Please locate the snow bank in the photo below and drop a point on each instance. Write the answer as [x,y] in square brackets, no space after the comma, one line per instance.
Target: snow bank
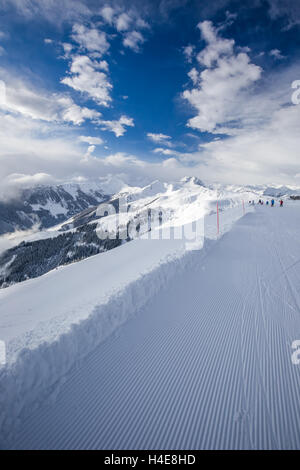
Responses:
[52,322]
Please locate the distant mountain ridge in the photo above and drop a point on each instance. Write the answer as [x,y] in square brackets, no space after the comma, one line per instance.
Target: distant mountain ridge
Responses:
[70,223]
[46,206]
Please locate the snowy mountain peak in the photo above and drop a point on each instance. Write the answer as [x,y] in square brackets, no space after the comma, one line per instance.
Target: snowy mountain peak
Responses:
[192,180]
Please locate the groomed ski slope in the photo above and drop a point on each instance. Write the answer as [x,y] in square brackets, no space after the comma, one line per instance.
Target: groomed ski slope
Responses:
[205,364]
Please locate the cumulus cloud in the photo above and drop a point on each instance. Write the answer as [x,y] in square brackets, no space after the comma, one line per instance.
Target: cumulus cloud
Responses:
[169,152]
[90,150]
[90,39]
[159,138]
[194,75]
[127,23]
[263,155]
[76,114]
[107,14]
[91,140]
[188,52]
[89,77]
[133,40]
[264,147]
[233,96]
[276,53]
[123,22]
[220,86]
[118,127]
[67,48]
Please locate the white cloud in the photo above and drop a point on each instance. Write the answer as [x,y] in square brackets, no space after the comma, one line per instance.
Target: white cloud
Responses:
[194,75]
[40,105]
[68,48]
[133,40]
[90,39]
[50,10]
[12,184]
[159,138]
[107,14]
[87,76]
[118,127]
[266,154]
[76,114]
[29,148]
[218,91]
[288,9]
[29,180]
[91,140]
[216,46]
[168,152]
[263,149]
[276,53]
[188,52]
[123,22]
[140,23]
[90,150]
[263,155]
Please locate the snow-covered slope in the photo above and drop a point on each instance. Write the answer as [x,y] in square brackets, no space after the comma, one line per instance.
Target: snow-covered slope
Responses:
[206,363]
[64,314]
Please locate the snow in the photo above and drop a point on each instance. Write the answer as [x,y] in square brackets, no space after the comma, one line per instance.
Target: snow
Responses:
[201,358]
[4,267]
[55,208]
[179,203]
[105,186]
[50,322]
[54,323]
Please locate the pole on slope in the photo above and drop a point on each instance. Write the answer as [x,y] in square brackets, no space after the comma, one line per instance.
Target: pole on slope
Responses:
[218,219]
[243,207]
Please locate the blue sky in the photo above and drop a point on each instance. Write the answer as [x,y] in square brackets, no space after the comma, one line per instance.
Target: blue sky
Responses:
[158,89]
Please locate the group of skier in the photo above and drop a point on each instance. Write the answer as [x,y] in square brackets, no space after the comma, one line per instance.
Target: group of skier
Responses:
[272,203]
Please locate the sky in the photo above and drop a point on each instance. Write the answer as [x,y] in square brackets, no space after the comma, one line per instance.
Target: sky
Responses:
[158,89]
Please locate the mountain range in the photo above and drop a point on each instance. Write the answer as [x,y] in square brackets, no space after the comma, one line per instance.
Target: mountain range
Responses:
[67,222]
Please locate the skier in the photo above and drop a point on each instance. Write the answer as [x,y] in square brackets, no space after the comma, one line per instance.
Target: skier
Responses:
[272,203]
[267,203]
[281,202]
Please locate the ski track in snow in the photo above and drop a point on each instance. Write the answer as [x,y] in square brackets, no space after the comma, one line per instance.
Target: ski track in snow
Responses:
[206,364]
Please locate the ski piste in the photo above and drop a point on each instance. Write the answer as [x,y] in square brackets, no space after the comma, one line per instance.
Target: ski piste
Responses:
[206,362]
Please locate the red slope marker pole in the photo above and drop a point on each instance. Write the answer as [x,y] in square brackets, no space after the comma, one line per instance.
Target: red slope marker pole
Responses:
[218,220]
